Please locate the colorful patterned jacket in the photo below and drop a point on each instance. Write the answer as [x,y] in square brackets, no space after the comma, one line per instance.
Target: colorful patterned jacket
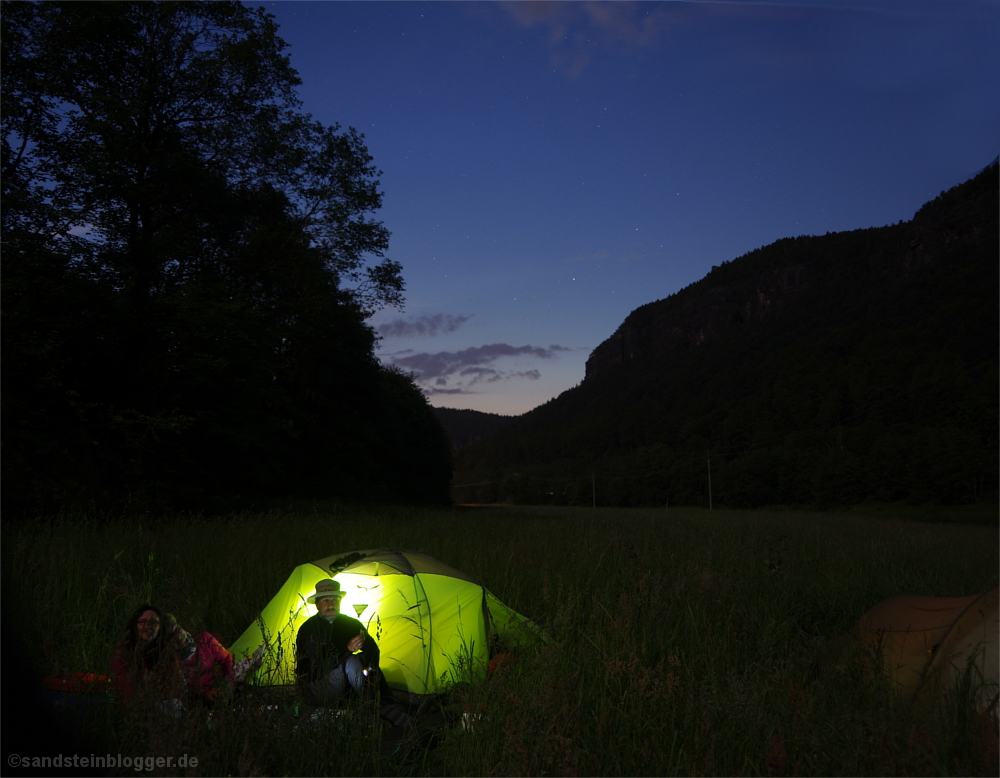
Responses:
[207,668]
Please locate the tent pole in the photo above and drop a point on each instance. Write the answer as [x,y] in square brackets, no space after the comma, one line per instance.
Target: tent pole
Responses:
[709,460]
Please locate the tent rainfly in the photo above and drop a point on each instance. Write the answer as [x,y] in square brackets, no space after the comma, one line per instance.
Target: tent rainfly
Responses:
[930,646]
[435,625]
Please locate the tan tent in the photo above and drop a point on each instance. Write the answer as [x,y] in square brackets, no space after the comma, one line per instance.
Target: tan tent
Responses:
[930,645]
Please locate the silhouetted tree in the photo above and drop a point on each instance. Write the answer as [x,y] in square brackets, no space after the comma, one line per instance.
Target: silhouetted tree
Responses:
[189,260]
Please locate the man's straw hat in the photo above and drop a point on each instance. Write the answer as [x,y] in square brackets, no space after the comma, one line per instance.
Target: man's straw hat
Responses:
[325,588]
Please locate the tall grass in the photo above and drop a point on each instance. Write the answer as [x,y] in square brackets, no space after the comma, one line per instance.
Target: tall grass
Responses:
[684,642]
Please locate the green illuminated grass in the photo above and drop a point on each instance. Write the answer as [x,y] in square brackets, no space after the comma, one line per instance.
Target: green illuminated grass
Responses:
[684,641]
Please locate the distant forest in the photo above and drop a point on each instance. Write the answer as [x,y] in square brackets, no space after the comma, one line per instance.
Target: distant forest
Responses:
[877,382]
[465,427]
[189,266]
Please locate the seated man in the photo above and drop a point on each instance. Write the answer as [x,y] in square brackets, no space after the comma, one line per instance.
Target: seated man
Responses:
[334,655]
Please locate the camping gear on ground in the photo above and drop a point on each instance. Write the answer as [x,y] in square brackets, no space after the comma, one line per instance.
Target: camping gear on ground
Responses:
[930,646]
[75,691]
[435,625]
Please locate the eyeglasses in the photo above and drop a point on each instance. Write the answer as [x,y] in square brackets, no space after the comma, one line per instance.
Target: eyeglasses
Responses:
[148,622]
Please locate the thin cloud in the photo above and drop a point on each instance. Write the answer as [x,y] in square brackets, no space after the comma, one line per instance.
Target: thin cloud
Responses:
[574,31]
[532,375]
[456,372]
[422,326]
[631,23]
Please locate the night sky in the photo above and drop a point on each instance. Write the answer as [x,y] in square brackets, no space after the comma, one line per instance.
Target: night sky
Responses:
[550,167]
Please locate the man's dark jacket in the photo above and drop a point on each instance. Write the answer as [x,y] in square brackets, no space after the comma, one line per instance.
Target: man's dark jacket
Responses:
[321,645]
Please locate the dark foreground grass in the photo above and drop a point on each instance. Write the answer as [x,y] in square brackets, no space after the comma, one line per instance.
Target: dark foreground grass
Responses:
[684,642]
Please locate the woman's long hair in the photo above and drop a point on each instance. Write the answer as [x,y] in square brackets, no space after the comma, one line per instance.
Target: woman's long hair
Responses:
[150,654]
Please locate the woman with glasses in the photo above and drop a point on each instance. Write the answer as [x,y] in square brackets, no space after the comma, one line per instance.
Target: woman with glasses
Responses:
[159,660]
[145,663]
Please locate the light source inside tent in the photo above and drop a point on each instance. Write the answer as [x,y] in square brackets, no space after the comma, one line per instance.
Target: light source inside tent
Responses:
[359,599]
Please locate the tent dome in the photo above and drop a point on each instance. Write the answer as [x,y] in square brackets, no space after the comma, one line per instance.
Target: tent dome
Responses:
[435,625]
[929,646]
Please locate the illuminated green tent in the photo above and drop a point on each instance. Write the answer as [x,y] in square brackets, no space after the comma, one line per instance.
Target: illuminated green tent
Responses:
[434,625]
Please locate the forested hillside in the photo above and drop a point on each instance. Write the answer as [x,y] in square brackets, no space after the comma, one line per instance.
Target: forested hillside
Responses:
[465,426]
[817,370]
[189,265]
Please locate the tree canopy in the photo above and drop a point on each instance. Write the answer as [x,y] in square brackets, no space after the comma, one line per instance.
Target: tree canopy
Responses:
[189,264]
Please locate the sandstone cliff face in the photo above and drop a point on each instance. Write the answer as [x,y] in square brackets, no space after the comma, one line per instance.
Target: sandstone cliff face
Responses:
[748,291]
[686,321]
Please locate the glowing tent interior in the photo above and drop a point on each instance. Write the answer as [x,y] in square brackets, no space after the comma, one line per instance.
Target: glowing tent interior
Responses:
[435,625]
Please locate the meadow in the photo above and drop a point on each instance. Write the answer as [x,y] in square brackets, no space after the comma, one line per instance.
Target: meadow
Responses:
[684,641]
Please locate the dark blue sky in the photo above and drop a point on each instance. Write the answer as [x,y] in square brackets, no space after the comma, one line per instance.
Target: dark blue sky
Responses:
[550,167]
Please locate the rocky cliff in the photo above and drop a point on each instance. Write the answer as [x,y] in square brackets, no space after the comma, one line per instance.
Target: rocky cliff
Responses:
[774,280]
[686,321]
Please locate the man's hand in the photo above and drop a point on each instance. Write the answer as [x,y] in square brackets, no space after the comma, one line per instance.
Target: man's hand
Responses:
[355,643]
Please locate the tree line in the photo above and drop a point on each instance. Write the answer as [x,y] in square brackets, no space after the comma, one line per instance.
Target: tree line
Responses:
[190,261]
[880,383]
